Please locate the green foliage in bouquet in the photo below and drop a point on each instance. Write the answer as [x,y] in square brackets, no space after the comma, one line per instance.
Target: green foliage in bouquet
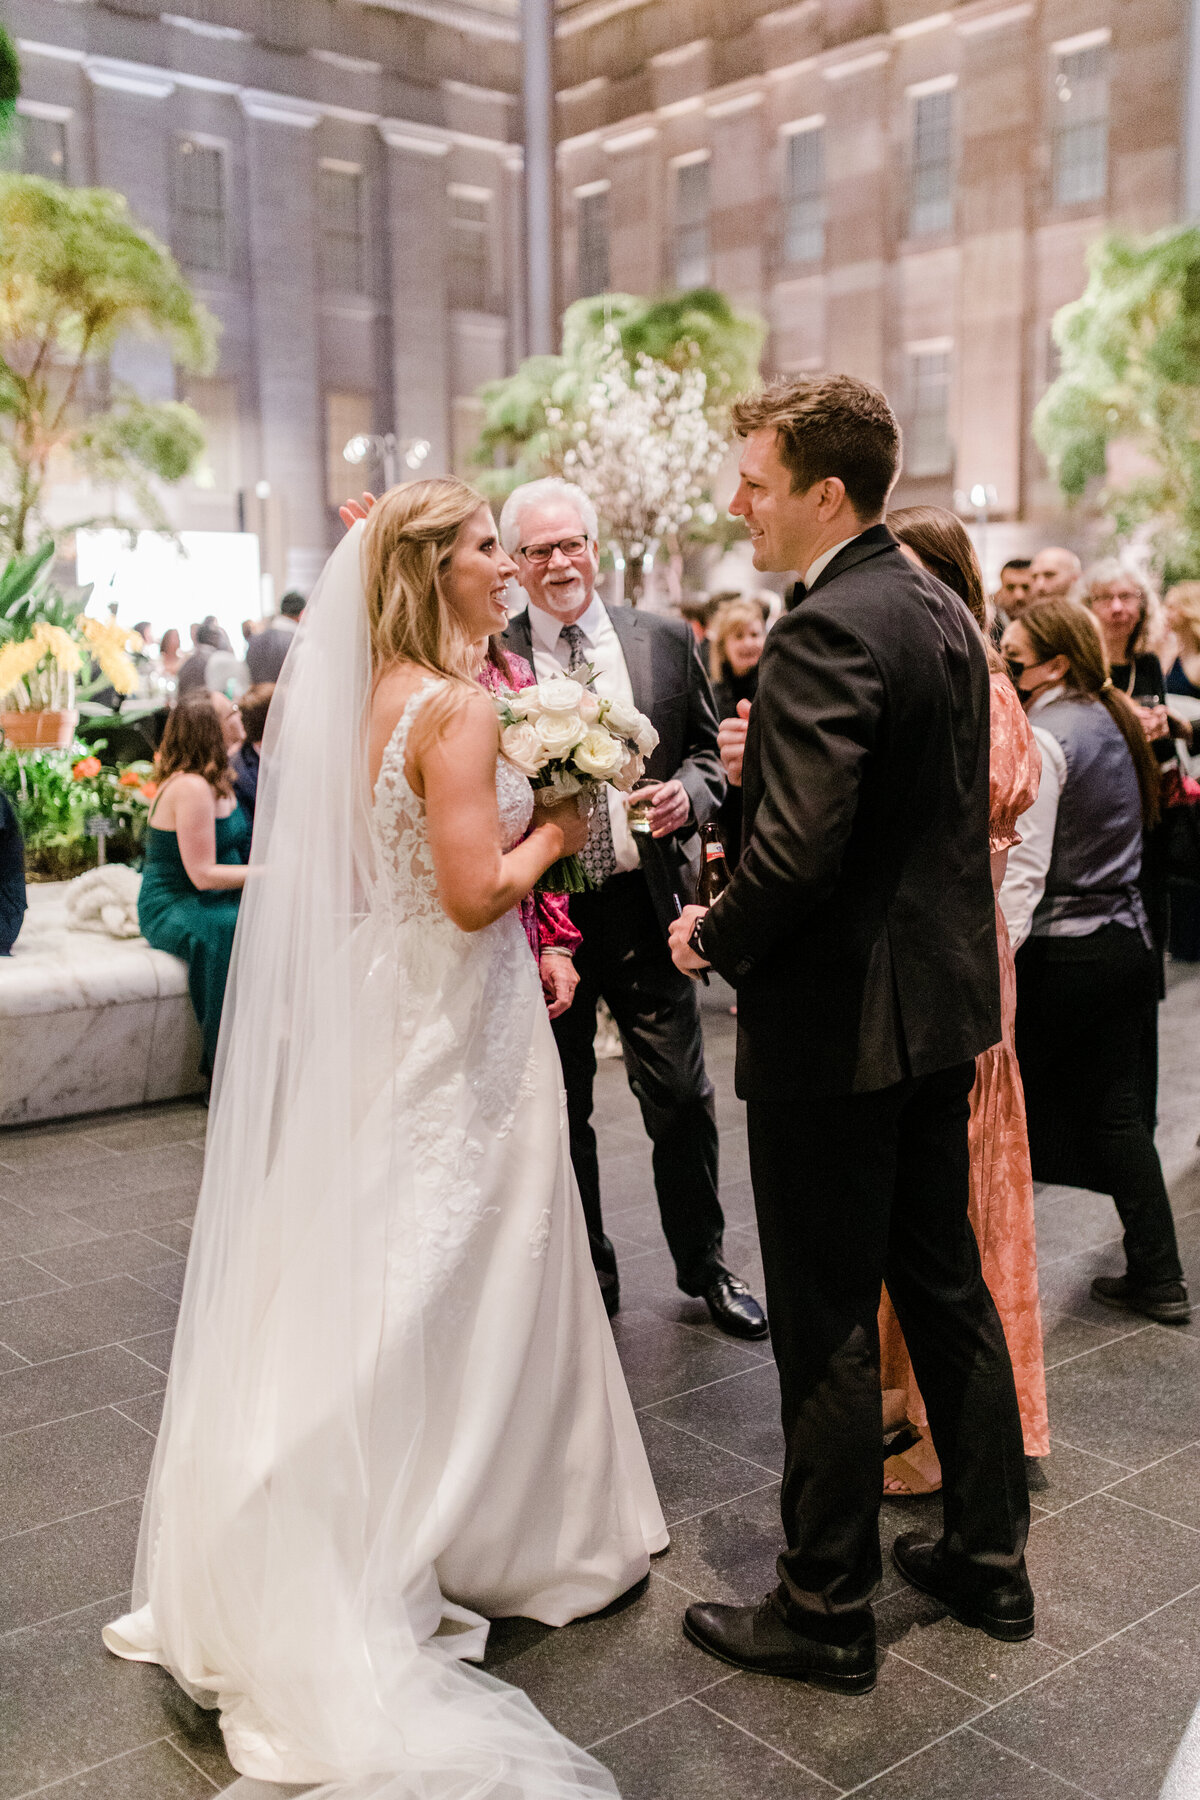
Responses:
[55,792]
[77,275]
[1123,417]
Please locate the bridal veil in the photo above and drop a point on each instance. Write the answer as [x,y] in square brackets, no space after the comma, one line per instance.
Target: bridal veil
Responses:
[270,1560]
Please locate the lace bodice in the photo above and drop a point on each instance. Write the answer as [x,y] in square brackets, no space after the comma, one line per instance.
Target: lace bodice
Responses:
[401,832]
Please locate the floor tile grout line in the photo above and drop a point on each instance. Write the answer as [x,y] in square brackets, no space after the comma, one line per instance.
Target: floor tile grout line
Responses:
[76,1774]
[1122,1337]
[115,1406]
[911,1757]
[84,1413]
[88,1512]
[656,1714]
[773,1748]
[684,1393]
[695,1435]
[180,1751]
[113,1344]
[944,1679]
[1094,1454]
[731,1500]
[669,1581]
[1028,1760]
[1151,1514]
[21,1359]
[57,1619]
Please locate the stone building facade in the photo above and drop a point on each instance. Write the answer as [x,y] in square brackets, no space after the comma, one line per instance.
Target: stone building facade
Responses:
[902,193]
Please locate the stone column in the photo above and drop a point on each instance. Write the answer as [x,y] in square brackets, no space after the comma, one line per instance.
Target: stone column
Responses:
[541,199]
[285,301]
[1191,115]
[420,315]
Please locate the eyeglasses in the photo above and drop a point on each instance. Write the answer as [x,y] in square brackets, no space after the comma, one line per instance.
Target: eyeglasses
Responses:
[540,553]
[1129,594]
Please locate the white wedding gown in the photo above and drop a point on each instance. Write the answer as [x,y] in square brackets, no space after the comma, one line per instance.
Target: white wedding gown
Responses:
[496,1464]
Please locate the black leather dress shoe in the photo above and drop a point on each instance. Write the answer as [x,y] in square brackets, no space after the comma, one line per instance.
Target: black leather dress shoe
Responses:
[758,1638]
[1005,1612]
[733,1307]
[1166,1302]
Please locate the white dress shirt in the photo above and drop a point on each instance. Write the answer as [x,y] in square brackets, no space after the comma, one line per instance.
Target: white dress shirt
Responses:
[551,655]
[1029,861]
[823,561]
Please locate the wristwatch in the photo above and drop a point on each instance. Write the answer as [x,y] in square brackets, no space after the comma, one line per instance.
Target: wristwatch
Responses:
[696,937]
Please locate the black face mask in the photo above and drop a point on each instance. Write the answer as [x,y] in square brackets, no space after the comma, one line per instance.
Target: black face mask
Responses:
[1015,671]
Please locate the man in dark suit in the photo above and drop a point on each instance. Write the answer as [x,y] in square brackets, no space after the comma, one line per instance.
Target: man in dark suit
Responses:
[550,528]
[267,650]
[860,932]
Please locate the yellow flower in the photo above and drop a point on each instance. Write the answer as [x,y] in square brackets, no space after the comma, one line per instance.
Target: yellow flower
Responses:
[109,642]
[60,645]
[17,661]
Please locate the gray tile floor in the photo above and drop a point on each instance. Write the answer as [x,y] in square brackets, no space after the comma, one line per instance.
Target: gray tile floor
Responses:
[93,1234]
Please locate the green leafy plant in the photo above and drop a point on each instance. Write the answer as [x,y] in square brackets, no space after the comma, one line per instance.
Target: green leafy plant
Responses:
[76,276]
[54,794]
[1122,421]
[47,641]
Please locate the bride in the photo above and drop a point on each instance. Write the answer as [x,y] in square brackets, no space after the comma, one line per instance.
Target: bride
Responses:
[395,1408]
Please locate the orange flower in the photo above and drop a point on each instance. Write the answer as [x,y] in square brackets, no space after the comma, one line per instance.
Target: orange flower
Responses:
[86,767]
[129,778]
[149,789]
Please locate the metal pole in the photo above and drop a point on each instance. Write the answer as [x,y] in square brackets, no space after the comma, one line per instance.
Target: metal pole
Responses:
[1191,119]
[541,197]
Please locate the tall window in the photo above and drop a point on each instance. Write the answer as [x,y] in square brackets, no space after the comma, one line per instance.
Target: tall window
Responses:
[37,147]
[692,244]
[340,216]
[470,248]
[927,448]
[931,193]
[593,239]
[804,195]
[1080,125]
[198,196]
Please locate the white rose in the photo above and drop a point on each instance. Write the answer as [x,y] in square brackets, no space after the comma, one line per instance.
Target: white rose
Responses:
[559,695]
[589,707]
[521,746]
[559,732]
[630,773]
[645,736]
[622,718]
[600,755]
[523,705]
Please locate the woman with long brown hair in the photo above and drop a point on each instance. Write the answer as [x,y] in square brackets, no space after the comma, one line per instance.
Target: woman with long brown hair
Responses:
[197,847]
[1001,1182]
[1087,970]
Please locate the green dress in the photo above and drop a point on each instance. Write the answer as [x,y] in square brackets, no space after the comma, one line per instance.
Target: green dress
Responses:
[192,922]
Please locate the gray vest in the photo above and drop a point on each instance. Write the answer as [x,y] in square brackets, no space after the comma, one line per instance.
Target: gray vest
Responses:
[1097,855]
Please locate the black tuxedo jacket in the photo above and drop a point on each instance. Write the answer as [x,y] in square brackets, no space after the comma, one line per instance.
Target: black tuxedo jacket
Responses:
[671,688]
[860,927]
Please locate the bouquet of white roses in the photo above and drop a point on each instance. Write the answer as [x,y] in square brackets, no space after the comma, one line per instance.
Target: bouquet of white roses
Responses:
[569,741]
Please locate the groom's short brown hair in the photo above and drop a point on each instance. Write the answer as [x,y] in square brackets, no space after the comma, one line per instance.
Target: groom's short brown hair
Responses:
[829,425]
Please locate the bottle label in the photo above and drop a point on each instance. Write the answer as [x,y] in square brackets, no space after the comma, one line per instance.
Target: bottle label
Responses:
[714,852]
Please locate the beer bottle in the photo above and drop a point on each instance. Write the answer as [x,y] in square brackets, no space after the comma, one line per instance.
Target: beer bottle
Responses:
[714,870]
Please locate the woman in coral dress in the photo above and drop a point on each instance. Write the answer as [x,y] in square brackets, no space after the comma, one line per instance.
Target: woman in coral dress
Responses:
[1001,1181]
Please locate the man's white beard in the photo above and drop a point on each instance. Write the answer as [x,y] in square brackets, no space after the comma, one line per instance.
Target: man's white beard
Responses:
[569,597]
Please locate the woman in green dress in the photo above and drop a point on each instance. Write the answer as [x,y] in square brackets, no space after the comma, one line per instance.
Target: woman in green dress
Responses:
[197,843]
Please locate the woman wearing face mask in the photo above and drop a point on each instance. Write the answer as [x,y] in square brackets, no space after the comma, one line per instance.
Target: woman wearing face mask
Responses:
[1087,970]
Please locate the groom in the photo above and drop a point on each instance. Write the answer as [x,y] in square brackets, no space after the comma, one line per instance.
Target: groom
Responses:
[550,528]
[860,932]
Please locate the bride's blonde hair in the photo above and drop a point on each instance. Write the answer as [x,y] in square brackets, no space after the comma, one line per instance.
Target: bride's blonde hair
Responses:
[407,546]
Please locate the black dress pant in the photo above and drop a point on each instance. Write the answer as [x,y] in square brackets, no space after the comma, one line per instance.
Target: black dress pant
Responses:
[624,960]
[1087,1009]
[851,1191]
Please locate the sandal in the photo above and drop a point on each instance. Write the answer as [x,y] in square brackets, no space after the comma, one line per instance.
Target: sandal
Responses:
[915,1472]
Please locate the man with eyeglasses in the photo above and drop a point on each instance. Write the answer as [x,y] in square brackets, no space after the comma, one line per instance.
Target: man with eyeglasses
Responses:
[550,528]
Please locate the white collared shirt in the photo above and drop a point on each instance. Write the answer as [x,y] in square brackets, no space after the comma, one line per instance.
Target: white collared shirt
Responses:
[1029,861]
[551,655]
[823,561]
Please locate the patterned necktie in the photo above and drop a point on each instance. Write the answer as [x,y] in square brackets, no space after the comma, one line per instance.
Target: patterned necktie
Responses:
[597,856]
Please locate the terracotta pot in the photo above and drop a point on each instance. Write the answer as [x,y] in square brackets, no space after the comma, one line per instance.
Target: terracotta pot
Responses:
[39,730]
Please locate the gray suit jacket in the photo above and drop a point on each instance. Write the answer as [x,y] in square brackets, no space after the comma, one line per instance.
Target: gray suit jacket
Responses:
[671,688]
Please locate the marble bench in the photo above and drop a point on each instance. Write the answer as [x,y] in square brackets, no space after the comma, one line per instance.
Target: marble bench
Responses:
[89,1022]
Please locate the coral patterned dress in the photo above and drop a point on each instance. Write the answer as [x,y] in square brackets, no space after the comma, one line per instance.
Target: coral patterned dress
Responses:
[1001,1181]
